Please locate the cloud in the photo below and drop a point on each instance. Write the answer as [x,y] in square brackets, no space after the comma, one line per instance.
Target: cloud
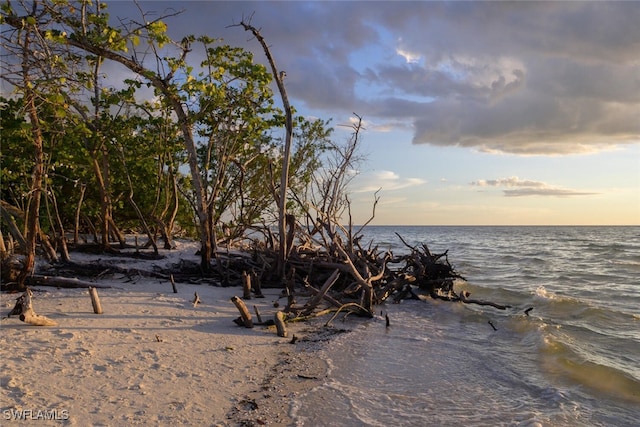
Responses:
[513,181]
[378,126]
[385,180]
[528,78]
[522,188]
[525,79]
[409,57]
[556,192]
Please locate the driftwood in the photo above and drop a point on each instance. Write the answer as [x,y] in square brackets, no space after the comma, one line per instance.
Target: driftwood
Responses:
[246,285]
[343,276]
[464,297]
[95,300]
[317,298]
[245,317]
[98,269]
[24,309]
[334,273]
[279,320]
[331,300]
[61,282]
[256,285]
[290,288]
[173,284]
[353,278]
[258,316]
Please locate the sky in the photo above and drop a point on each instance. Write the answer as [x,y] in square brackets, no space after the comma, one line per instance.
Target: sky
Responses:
[475,113]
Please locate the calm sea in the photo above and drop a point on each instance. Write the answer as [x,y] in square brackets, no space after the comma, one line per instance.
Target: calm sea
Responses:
[574,361]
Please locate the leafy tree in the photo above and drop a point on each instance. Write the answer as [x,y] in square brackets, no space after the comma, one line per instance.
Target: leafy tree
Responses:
[218,117]
[17,152]
[233,102]
[32,71]
[90,32]
[154,154]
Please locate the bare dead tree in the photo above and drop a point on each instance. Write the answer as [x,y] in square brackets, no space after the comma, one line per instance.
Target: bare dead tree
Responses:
[284,177]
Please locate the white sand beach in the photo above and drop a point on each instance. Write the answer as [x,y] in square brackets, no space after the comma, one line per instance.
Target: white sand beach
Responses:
[151,358]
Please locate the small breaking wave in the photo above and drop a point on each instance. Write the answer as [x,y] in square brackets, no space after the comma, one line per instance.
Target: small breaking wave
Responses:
[565,364]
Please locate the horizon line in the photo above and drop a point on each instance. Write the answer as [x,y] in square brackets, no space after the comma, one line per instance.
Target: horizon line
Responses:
[498,225]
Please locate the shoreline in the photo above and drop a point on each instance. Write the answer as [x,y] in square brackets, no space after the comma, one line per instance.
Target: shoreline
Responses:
[152,357]
[294,374]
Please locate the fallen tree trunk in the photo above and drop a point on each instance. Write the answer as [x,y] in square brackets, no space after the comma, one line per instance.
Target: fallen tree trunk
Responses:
[61,282]
[313,302]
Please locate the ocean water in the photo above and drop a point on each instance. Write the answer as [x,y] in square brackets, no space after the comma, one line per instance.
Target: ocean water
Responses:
[574,361]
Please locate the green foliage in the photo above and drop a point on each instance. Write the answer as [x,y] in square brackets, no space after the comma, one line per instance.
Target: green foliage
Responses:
[136,140]
[16,156]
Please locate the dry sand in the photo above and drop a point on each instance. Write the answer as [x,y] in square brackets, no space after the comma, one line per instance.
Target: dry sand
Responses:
[151,358]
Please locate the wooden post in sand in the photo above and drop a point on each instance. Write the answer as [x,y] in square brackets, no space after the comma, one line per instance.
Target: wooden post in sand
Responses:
[256,285]
[95,300]
[246,285]
[173,284]
[280,326]
[255,308]
[244,312]
[290,286]
[196,299]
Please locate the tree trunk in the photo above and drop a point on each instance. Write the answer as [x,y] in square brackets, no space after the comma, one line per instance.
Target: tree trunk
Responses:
[10,222]
[117,234]
[165,233]
[49,250]
[105,202]
[168,91]
[33,216]
[3,248]
[206,236]
[62,239]
[284,177]
[100,158]
[94,232]
[76,228]
[174,213]
[135,207]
